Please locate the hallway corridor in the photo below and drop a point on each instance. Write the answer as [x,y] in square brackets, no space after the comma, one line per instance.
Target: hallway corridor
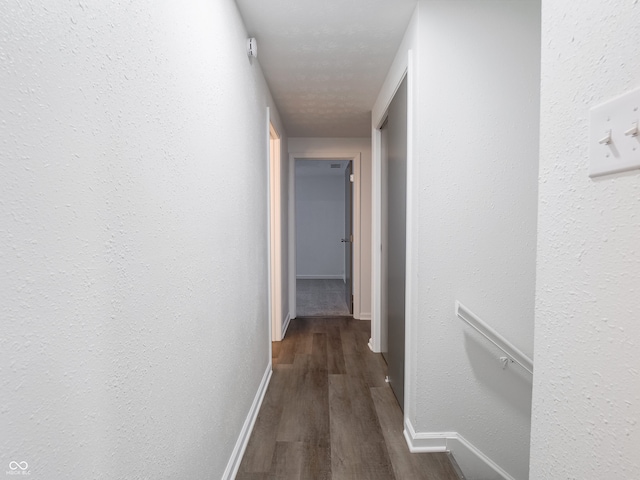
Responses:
[328,413]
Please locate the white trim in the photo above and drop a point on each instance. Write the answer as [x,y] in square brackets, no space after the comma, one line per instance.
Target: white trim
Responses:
[424,442]
[322,154]
[243,439]
[320,277]
[270,306]
[472,461]
[411,259]
[292,238]
[275,235]
[376,238]
[357,237]
[365,316]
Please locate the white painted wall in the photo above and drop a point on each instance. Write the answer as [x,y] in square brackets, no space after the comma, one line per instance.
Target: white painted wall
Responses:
[475,144]
[133,238]
[335,147]
[478,67]
[586,393]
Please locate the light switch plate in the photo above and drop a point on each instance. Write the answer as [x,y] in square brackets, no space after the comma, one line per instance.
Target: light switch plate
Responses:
[616,117]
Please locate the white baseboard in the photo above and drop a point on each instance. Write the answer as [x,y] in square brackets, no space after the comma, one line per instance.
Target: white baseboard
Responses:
[243,439]
[474,464]
[285,324]
[319,277]
[424,442]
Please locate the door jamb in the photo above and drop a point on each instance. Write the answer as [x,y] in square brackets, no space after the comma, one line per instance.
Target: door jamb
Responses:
[275,237]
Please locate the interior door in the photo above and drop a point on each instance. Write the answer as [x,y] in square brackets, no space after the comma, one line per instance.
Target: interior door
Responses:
[348,236]
[396,221]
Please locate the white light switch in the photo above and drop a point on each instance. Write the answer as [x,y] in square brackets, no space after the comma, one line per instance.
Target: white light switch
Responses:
[615,135]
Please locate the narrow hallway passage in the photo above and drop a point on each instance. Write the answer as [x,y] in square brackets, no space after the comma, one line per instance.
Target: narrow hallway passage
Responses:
[328,413]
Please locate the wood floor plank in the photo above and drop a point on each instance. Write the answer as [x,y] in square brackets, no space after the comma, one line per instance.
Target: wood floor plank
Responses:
[303,338]
[275,349]
[301,461]
[306,404]
[366,461]
[260,449]
[357,443]
[328,414]
[358,366]
[255,476]
[286,350]
[349,345]
[288,460]
[319,355]
[335,355]
[424,466]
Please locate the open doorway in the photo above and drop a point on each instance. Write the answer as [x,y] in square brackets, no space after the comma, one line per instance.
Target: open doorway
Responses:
[324,237]
[354,246]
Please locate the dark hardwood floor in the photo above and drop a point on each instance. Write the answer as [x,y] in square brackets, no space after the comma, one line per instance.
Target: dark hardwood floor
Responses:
[328,413]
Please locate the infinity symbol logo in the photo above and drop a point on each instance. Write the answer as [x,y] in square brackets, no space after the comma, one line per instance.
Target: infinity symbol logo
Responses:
[16,465]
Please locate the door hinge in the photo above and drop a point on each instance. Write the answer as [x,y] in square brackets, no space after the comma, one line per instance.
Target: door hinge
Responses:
[351,178]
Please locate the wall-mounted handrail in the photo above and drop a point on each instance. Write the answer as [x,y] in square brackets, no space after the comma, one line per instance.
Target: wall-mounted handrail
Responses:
[494,337]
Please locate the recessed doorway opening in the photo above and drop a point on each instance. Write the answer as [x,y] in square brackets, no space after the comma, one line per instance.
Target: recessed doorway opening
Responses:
[354,247]
[324,237]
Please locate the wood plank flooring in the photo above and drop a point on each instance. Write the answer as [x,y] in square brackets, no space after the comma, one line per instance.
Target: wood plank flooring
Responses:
[329,415]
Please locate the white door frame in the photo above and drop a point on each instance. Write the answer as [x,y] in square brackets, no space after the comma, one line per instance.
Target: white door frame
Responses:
[275,237]
[354,157]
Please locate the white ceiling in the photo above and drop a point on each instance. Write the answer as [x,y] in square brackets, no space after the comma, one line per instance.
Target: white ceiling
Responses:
[325,60]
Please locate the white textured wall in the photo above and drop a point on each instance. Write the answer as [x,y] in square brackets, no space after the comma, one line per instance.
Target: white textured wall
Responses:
[476,197]
[332,147]
[320,207]
[586,395]
[132,237]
